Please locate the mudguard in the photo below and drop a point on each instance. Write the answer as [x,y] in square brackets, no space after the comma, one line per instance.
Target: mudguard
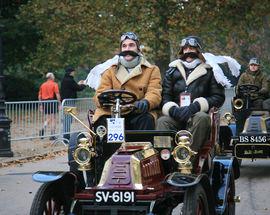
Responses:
[232,126]
[49,176]
[224,168]
[178,179]
[230,163]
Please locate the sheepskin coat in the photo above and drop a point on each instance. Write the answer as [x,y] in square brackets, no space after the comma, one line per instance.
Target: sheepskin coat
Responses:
[144,81]
[200,83]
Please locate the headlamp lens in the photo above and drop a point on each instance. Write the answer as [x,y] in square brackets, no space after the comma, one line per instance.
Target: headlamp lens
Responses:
[83,155]
[182,153]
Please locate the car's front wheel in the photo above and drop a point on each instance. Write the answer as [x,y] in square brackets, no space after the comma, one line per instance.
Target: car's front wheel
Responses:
[195,201]
[48,201]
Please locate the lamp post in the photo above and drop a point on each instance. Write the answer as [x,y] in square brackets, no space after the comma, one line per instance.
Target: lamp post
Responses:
[5,150]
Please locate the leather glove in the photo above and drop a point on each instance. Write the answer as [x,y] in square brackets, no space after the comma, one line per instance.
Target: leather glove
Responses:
[103,99]
[184,113]
[142,105]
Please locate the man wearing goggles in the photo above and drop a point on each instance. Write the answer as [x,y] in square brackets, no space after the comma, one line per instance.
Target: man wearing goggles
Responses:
[135,74]
[254,76]
[190,90]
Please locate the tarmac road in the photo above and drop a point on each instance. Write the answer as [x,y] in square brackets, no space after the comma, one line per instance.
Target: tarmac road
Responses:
[17,189]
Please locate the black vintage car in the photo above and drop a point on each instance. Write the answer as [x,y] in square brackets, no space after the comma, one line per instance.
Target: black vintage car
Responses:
[250,127]
[147,172]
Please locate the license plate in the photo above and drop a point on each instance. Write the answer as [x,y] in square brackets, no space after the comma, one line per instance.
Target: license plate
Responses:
[115,197]
[253,139]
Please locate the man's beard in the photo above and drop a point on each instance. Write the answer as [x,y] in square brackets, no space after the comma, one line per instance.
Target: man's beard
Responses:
[193,55]
[131,53]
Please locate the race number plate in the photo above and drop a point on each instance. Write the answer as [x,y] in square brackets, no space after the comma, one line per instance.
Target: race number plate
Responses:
[114,197]
[116,130]
[253,139]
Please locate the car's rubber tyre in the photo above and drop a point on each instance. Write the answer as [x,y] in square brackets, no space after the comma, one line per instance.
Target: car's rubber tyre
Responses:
[195,201]
[230,207]
[48,201]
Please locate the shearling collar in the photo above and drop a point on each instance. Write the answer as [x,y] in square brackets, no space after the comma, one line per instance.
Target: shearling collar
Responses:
[199,71]
[123,75]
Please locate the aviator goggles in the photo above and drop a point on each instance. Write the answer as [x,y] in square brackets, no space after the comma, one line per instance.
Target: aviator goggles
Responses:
[129,35]
[191,42]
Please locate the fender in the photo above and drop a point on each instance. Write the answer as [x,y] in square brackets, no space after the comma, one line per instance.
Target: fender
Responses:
[232,126]
[178,179]
[50,176]
[230,163]
[185,181]
[224,168]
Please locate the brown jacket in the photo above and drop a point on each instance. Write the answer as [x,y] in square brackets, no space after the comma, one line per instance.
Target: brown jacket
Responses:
[255,78]
[144,81]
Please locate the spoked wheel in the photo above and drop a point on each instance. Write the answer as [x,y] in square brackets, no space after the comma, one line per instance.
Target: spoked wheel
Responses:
[195,201]
[48,201]
[230,206]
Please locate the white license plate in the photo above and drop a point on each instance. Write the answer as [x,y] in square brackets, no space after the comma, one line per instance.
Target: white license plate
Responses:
[252,139]
[114,197]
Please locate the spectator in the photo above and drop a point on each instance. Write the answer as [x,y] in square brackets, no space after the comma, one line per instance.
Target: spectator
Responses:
[189,91]
[254,76]
[69,89]
[49,91]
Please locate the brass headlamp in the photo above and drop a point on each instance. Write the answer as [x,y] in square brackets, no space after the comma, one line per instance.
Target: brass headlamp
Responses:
[83,154]
[182,152]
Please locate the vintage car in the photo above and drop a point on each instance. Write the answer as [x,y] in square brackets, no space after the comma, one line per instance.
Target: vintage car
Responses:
[250,127]
[144,172]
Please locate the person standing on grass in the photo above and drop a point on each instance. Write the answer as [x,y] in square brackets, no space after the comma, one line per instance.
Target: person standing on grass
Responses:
[49,91]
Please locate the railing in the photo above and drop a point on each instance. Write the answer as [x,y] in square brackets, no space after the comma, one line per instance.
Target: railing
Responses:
[42,119]
[28,120]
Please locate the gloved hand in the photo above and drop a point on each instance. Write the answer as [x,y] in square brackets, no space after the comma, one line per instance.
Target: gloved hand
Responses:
[103,99]
[184,113]
[142,105]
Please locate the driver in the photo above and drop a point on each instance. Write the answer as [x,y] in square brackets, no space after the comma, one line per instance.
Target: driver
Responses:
[254,76]
[135,74]
[189,91]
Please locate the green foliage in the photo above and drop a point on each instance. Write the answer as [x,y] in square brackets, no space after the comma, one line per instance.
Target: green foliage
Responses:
[49,34]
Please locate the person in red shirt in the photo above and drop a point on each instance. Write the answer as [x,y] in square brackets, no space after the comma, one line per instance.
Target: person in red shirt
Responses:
[49,90]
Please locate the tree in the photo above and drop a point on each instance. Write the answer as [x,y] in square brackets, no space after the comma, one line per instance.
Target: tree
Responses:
[86,32]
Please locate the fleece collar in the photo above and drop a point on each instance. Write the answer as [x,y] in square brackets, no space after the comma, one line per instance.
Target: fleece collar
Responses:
[199,71]
[123,75]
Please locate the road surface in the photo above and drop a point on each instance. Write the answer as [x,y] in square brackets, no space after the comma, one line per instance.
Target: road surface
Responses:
[17,190]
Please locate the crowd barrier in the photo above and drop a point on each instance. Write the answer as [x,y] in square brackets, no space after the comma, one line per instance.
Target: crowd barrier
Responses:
[34,119]
[28,119]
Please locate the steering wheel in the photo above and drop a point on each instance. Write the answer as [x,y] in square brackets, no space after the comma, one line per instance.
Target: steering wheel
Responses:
[248,89]
[109,97]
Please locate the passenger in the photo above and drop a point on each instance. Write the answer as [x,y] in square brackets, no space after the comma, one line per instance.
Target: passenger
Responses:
[135,74]
[254,76]
[189,91]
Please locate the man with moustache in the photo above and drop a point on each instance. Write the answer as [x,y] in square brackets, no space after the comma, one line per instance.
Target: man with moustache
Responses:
[135,74]
[189,91]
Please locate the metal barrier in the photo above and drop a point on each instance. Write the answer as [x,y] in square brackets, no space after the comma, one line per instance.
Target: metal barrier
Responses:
[28,122]
[42,119]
